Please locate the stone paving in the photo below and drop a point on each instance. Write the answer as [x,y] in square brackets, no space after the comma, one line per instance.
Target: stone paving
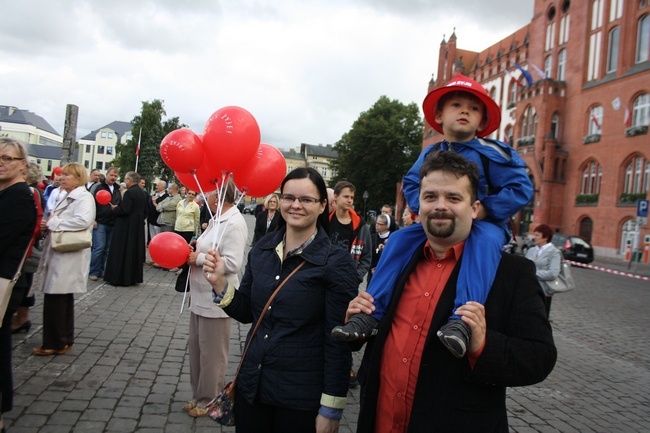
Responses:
[129,368]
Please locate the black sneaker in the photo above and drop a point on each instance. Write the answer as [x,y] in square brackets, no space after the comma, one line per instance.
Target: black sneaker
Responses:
[354,382]
[359,327]
[455,335]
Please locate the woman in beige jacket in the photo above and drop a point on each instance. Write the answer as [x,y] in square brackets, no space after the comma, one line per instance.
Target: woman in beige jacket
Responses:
[62,274]
[209,324]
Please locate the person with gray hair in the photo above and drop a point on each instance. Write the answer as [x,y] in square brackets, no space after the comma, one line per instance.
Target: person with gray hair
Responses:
[126,253]
[157,197]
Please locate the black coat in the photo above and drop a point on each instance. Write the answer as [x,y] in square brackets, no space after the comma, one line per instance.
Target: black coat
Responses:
[260,225]
[450,396]
[293,358]
[126,253]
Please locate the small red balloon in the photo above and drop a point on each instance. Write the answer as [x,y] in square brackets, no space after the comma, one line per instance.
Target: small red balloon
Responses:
[263,174]
[57,170]
[169,250]
[208,178]
[182,150]
[103,197]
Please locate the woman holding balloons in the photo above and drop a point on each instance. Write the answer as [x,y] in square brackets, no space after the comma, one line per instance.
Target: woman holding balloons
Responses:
[209,325]
[294,376]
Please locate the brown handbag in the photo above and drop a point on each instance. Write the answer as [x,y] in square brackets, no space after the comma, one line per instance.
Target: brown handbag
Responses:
[221,408]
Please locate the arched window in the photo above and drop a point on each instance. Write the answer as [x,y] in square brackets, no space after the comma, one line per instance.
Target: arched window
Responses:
[561,65]
[637,176]
[595,120]
[512,92]
[641,110]
[592,176]
[555,126]
[612,49]
[529,124]
[643,39]
[548,66]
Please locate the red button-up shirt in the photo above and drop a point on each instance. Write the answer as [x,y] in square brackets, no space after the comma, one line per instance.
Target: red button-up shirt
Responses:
[403,349]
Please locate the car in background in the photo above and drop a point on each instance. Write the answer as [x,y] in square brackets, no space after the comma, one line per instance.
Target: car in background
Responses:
[573,248]
[240,206]
[249,209]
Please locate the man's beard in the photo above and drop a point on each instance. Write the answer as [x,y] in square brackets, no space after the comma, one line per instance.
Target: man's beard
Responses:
[441,231]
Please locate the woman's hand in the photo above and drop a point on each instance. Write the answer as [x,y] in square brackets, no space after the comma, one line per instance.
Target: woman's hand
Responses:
[326,425]
[214,270]
[191,260]
[363,303]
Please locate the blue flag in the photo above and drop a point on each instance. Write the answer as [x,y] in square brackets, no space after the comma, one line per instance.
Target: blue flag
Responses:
[526,74]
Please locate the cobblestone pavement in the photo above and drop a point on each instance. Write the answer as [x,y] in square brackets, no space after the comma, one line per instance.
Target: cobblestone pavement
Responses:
[129,368]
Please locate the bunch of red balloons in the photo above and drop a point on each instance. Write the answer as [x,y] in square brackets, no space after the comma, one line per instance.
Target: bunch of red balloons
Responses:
[230,145]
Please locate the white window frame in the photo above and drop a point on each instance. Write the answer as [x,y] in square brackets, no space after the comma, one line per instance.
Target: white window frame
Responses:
[594,56]
[596,120]
[641,110]
[548,66]
[615,10]
[643,39]
[561,65]
[564,29]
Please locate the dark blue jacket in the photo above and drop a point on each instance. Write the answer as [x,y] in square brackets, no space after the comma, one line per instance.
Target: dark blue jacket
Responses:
[293,358]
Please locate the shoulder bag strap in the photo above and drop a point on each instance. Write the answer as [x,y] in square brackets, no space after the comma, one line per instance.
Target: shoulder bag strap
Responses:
[259,320]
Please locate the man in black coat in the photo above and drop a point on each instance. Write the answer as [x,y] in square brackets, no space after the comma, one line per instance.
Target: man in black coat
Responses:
[410,381]
[126,254]
[104,223]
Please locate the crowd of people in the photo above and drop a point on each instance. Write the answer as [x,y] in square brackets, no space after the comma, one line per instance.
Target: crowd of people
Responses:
[440,352]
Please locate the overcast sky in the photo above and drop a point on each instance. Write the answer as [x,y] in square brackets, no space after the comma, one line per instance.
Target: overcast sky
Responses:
[304,69]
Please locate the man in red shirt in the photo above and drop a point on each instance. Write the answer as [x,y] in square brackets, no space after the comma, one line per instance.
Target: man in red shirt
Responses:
[410,381]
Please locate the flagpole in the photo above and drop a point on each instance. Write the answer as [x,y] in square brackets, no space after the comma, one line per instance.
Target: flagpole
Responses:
[137,151]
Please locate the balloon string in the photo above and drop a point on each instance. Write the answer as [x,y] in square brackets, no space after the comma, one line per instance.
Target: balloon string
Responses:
[205,199]
[187,282]
[225,178]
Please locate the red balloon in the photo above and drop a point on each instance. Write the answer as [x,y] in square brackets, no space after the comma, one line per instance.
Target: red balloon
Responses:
[182,150]
[103,197]
[208,178]
[57,170]
[40,186]
[263,174]
[169,250]
[231,137]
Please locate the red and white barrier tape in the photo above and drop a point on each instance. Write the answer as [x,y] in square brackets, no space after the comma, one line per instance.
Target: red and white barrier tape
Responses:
[611,271]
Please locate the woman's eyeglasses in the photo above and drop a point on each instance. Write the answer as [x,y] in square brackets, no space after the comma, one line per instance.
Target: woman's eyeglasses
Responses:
[7,159]
[289,199]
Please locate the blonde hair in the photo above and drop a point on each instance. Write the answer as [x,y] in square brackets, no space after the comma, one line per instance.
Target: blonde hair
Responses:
[34,173]
[269,197]
[77,170]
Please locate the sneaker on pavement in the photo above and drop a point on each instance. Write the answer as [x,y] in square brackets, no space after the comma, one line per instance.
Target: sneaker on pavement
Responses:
[455,335]
[93,278]
[359,327]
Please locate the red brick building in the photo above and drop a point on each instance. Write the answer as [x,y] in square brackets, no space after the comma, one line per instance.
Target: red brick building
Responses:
[579,120]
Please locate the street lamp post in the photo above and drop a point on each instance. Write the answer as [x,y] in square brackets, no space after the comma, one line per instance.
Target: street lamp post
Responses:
[365,200]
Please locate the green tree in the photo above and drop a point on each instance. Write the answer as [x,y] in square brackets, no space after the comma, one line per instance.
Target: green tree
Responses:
[376,153]
[150,122]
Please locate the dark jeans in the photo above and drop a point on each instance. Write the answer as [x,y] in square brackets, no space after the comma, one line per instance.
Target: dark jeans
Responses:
[58,321]
[262,418]
[547,305]
[101,243]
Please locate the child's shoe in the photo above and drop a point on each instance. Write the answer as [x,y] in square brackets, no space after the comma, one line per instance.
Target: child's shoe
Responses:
[455,335]
[359,327]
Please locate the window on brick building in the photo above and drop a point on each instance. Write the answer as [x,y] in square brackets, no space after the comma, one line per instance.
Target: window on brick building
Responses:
[595,120]
[550,36]
[592,176]
[508,135]
[643,39]
[595,40]
[637,176]
[615,10]
[529,123]
[548,66]
[512,91]
[597,14]
[641,110]
[612,49]
[561,65]
[563,37]
[555,126]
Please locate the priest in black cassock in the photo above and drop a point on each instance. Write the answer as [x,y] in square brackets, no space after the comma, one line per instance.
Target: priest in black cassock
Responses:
[127,253]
